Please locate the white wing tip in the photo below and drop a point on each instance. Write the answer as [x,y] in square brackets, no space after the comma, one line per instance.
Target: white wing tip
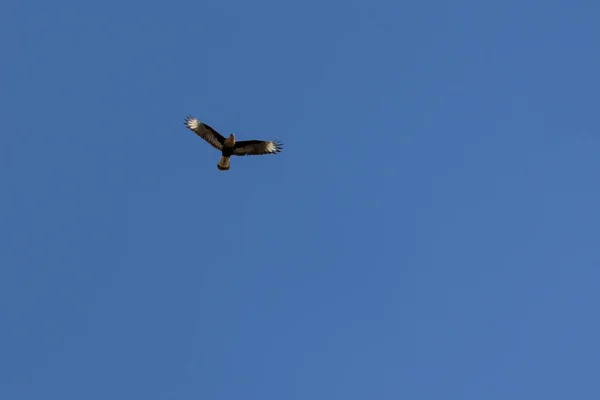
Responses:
[192,122]
[274,146]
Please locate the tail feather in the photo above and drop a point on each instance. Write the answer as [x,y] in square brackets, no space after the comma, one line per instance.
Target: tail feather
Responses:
[223,164]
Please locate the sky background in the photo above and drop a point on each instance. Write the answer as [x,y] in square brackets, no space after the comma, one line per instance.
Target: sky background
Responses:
[430,231]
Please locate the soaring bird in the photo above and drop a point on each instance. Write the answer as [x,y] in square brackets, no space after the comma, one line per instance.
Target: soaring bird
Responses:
[228,146]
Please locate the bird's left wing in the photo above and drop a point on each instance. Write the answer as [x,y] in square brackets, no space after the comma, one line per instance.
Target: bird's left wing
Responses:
[214,138]
[256,147]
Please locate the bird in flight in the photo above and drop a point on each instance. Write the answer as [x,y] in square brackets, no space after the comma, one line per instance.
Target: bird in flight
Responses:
[228,146]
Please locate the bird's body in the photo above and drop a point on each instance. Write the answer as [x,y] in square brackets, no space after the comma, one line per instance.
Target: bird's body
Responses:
[228,146]
[226,152]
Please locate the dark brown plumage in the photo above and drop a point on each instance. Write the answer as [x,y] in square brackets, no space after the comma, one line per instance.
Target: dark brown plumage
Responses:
[228,146]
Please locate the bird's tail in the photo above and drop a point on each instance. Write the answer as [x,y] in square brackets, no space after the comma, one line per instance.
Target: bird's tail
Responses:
[223,164]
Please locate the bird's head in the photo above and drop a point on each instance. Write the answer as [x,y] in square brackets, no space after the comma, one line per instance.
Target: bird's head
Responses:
[230,140]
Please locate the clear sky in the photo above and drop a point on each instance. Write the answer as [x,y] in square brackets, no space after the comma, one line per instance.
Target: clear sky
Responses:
[431,229]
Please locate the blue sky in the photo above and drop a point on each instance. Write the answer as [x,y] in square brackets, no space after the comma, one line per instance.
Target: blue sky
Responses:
[430,230]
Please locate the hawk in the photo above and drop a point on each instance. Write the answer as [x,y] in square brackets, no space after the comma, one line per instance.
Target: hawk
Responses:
[228,146]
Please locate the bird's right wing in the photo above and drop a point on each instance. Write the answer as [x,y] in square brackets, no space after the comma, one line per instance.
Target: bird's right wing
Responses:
[214,138]
[257,147]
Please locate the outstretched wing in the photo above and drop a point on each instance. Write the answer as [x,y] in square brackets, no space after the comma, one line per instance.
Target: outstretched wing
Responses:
[207,133]
[256,147]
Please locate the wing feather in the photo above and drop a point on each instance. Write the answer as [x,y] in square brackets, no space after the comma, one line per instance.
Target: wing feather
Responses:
[256,147]
[214,138]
